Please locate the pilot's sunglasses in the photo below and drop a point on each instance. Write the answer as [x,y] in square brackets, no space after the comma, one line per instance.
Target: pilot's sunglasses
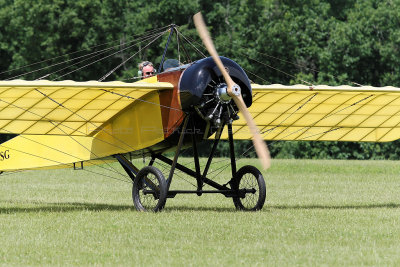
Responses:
[148,73]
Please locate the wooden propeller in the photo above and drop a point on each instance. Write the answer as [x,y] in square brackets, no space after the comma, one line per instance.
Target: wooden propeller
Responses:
[234,92]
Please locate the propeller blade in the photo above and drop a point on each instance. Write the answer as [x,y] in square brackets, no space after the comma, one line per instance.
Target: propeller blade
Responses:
[205,37]
[234,91]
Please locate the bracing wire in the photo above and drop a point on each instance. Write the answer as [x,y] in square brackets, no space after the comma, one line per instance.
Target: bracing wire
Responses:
[91,63]
[161,29]
[95,55]
[65,153]
[121,64]
[301,66]
[270,66]
[191,43]
[61,163]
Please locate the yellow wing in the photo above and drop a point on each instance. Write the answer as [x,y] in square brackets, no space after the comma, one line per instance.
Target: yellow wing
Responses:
[65,107]
[61,123]
[343,113]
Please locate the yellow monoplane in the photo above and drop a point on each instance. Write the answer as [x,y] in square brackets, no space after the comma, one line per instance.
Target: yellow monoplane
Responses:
[67,124]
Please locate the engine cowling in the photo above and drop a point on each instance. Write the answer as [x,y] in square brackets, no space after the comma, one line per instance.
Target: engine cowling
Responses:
[203,77]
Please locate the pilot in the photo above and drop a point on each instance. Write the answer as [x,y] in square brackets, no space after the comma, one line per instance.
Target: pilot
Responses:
[146,69]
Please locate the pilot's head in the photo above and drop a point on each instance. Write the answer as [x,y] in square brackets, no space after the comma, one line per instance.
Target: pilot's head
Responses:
[146,68]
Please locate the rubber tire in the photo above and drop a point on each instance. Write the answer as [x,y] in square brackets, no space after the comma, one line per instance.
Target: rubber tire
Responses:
[138,186]
[261,188]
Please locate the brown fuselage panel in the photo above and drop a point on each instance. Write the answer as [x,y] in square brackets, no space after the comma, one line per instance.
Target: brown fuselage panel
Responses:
[172,115]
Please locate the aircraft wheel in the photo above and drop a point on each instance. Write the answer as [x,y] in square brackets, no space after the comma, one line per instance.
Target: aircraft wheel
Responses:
[149,191]
[249,178]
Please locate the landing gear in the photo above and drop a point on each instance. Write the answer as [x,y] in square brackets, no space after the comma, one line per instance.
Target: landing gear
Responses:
[250,185]
[149,190]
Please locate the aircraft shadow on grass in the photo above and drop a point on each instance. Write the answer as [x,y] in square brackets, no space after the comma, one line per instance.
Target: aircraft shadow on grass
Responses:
[339,207]
[77,206]
[63,207]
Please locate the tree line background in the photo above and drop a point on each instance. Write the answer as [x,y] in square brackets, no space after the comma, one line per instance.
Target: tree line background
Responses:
[318,41]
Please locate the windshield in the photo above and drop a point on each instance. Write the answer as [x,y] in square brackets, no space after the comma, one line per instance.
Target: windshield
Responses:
[170,63]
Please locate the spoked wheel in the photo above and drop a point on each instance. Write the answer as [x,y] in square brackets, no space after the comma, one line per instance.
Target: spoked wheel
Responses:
[250,185]
[149,190]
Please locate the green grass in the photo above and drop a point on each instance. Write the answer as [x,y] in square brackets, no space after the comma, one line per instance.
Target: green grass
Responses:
[317,212]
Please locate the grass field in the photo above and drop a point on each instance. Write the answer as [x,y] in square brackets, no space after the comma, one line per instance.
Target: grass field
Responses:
[317,212]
